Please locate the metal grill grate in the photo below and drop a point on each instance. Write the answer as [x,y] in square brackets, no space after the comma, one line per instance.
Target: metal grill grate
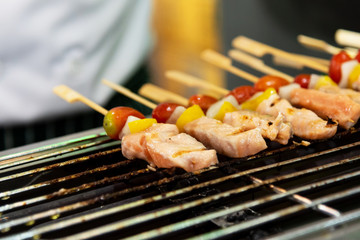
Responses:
[85,188]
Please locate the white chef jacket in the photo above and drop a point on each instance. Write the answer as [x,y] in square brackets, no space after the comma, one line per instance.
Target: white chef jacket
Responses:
[44,43]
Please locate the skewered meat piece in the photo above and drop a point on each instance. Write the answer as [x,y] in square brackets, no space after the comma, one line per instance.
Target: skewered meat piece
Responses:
[162,146]
[305,123]
[273,128]
[226,139]
[340,108]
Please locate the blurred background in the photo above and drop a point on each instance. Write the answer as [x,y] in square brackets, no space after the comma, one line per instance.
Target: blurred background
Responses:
[182,29]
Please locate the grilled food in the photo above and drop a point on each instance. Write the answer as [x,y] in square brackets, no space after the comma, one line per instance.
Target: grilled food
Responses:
[162,145]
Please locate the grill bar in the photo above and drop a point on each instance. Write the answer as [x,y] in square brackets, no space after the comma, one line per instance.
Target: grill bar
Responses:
[271,217]
[300,199]
[191,222]
[318,226]
[167,211]
[156,198]
[75,200]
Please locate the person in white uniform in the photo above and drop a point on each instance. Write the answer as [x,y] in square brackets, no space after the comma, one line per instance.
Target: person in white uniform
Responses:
[77,43]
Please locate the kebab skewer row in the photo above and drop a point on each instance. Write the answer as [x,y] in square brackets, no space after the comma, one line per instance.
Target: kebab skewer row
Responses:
[344,69]
[347,112]
[161,145]
[337,108]
[224,138]
[305,123]
[311,81]
[227,110]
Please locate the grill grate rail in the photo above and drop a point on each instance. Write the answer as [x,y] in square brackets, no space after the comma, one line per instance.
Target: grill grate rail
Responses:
[85,188]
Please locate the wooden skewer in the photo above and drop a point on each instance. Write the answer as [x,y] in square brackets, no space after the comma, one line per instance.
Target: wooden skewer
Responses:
[147,90]
[129,94]
[347,38]
[225,63]
[257,64]
[280,61]
[192,81]
[260,49]
[321,45]
[159,95]
[72,96]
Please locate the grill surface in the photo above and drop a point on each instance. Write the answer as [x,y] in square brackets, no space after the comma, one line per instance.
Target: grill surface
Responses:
[85,188]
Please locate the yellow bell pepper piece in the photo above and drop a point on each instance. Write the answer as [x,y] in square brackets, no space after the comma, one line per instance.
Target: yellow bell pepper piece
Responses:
[225,107]
[354,75]
[141,124]
[253,103]
[190,114]
[324,81]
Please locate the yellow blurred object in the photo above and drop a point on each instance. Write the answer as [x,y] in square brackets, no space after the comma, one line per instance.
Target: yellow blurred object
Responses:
[253,103]
[225,108]
[354,75]
[324,81]
[141,124]
[183,29]
[190,114]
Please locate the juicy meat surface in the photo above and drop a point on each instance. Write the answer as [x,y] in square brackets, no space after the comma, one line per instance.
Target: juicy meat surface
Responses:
[354,95]
[273,128]
[339,108]
[226,139]
[305,123]
[162,146]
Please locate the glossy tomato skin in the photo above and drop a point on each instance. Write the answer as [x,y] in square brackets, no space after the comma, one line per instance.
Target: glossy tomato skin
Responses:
[303,80]
[163,111]
[335,65]
[115,119]
[270,81]
[204,101]
[242,93]
[357,57]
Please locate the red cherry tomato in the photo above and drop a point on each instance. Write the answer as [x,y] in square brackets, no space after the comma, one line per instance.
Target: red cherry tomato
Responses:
[335,65]
[163,111]
[204,101]
[358,56]
[115,120]
[242,93]
[303,80]
[270,81]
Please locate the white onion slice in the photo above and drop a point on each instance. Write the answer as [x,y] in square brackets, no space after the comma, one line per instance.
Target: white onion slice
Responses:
[126,129]
[313,80]
[285,91]
[346,69]
[214,109]
[176,114]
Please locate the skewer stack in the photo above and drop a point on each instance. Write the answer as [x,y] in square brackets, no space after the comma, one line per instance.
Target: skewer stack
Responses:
[204,129]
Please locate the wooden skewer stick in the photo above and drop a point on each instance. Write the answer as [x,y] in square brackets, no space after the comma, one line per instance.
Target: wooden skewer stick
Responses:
[321,45]
[159,95]
[147,90]
[347,38]
[260,49]
[257,64]
[192,81]
[225,63]
[72,96]
[129,94]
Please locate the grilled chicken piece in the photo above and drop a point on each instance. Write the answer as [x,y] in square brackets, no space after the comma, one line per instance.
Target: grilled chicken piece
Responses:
[226,139]
[339,108]
[162,146]
[273,128]
[305,123]
[354,95]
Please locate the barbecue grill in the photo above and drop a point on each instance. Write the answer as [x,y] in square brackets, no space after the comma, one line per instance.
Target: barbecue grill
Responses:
[81,187]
